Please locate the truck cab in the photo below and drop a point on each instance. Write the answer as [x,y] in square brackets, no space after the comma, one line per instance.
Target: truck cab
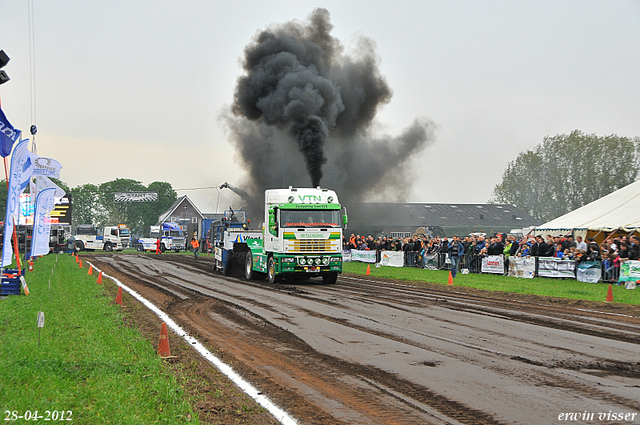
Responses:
[302,235]
[120,231]
[171,237]
[89,237]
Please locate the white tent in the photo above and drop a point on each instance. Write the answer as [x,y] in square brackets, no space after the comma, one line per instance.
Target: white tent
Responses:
[617,210]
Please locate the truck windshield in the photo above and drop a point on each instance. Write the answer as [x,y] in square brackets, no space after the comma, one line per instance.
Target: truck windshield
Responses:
[124,232]
[309,218]
[173,233]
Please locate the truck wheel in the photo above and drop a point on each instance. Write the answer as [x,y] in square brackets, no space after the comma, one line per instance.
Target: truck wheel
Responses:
[248,267]
[162,248]
[330,278]
[108,247]
[78,246]
[271,272]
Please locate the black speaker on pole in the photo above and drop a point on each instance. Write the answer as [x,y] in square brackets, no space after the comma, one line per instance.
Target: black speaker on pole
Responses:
[4,59]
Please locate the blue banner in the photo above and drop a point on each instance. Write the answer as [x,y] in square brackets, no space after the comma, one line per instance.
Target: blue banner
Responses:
[8,135]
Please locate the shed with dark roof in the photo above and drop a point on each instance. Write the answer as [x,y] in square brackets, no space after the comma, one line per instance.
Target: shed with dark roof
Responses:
[440,219]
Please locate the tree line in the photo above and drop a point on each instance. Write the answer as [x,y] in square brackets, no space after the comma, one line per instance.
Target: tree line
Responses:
[568,171]
[95,204]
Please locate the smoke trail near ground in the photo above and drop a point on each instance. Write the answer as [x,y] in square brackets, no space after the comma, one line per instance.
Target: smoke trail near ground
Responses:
[304,110]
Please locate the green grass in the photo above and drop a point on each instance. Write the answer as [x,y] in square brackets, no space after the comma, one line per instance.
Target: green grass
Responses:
[562,288]
[88,362]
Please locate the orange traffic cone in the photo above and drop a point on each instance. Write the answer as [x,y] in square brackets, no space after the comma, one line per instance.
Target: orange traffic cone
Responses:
[30,265]
[99,279]
[610,294]
[450,281]
[77,259]
[119,296]
[90,270]
[368,270]
[80,263]
[163,345]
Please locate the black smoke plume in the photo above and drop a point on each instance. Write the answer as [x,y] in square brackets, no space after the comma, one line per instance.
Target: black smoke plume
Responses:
[301,93]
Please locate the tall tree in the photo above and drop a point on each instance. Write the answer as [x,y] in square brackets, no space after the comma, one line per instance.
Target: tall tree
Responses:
[565,172]
[137,215]
[129,213]
[86,207]
[166,197]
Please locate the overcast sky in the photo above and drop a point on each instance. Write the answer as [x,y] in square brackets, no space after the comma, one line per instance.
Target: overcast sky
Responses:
[134,89]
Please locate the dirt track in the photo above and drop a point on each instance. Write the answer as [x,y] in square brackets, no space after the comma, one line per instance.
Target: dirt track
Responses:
[370,352]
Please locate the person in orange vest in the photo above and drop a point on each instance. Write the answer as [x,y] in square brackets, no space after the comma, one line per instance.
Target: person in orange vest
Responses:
[158,246]
[195,245]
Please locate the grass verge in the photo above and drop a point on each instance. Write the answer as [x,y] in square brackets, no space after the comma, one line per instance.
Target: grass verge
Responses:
[561,288]
[85,361]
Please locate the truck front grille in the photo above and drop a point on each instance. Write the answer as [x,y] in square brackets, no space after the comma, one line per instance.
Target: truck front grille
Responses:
[312,245]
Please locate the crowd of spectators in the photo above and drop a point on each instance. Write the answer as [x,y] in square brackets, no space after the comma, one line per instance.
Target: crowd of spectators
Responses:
[611,252]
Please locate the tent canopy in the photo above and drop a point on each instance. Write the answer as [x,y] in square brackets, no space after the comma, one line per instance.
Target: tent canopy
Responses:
[617,210]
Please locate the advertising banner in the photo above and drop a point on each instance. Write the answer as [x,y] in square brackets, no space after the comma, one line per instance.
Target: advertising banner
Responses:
[493,264]
[589,271]
[61,213]
[363,256]
[346,256]
[391,258]
[431,261]
[135,196]
[21,169]
[47,167]
[522,267]
[556,267]
[27,208]
[42,222]
[630,271]
[8,135]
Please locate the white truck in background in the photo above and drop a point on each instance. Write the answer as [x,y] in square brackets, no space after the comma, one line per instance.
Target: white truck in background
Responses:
[89,237]
[123,232]
[171,237]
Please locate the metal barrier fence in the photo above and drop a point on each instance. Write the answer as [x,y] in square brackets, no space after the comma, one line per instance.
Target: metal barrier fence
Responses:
[473,263]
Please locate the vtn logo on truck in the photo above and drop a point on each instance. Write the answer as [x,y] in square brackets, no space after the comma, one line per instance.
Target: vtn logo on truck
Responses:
[310,198]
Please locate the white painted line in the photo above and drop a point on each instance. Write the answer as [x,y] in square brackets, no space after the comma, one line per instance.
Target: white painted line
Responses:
[282,416]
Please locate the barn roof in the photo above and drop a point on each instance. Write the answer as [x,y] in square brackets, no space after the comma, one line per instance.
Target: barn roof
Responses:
[444,215]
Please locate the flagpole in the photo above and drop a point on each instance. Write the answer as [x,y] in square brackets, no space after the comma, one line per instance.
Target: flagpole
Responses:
[7,177]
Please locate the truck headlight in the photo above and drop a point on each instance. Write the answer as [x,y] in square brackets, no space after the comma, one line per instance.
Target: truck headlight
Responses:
[302,261]
[325,261]
[318,260]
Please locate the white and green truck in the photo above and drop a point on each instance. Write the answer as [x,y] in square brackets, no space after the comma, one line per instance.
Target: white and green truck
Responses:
[302,236]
